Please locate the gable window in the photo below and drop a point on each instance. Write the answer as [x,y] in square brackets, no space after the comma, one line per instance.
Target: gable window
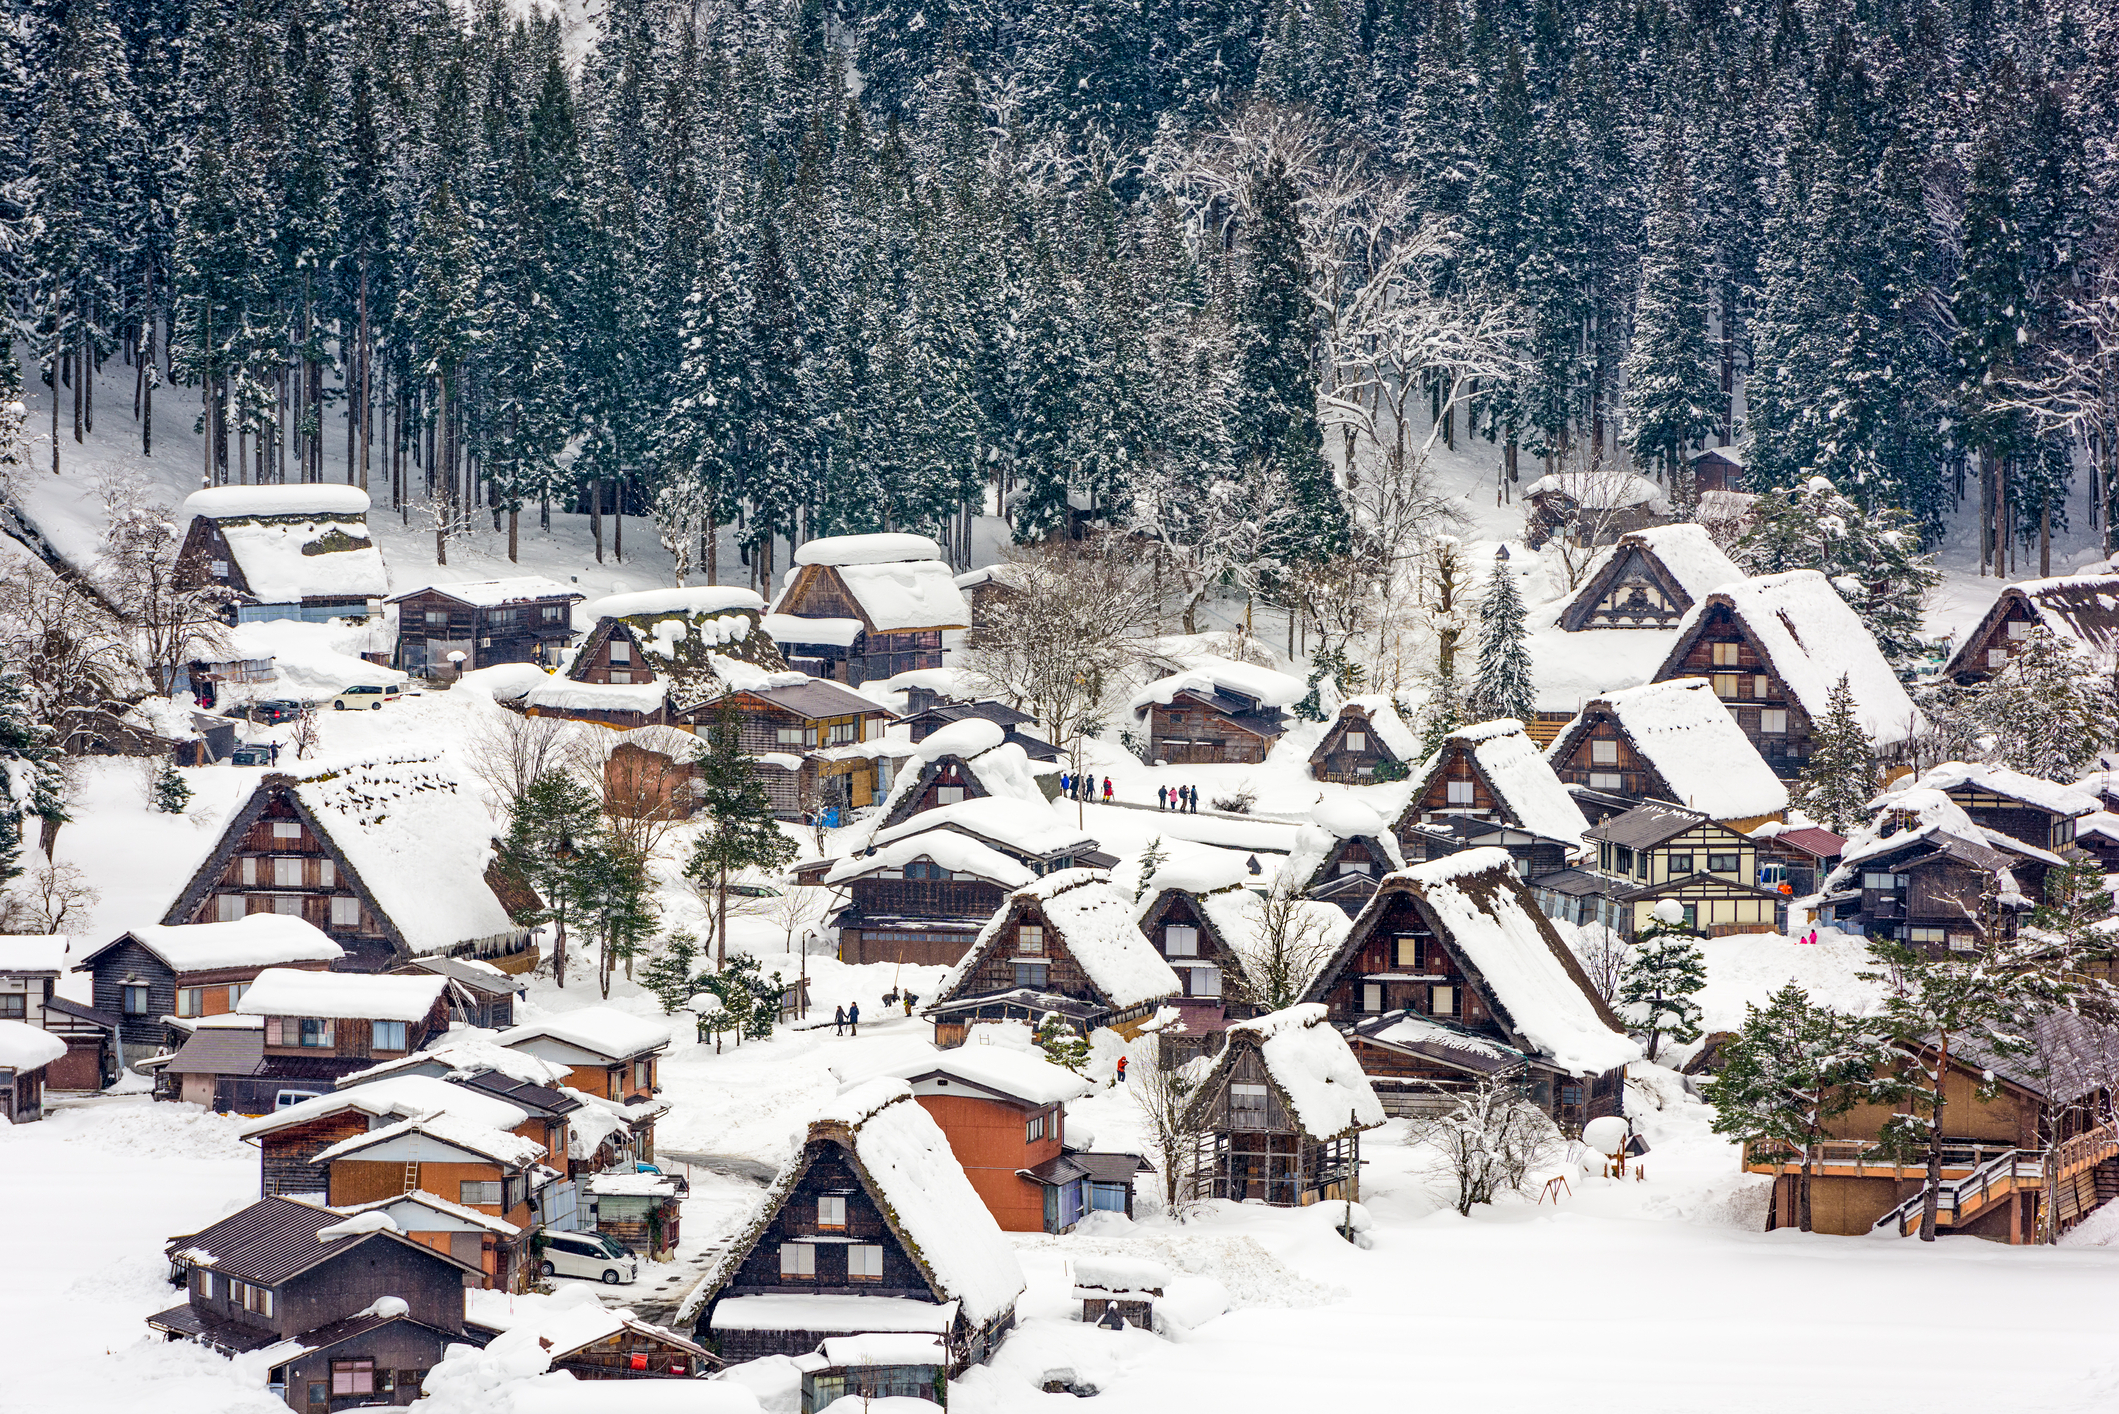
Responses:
[135,1000]
[2019,628]
[1724,863]
[1247,1104]
[621,651]
[1606,780]
[1354,866]
[1372,997]
[1460,792]
[1442,1001]
[1725,685]
[1761,685]
[288,904]
[864,1262]
[220,567]
[249,870]
[438,618]
[1357,741]
[949,795]
[1032,974]
[389,1035]
[479,1193]
[229,907]
[1884,882]
[1202,980]
[1725,655]
[1680,866]
[286,829]
[287,871]
[1603,753]
[831,1212]
[621,678]
[1405,954]
[352,1377]
[345,911]
[1774,721]
[1181,941]
[1030,939]
[798,1261]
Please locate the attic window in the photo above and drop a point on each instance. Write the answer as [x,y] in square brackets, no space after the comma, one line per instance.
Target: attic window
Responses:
[1604,753]
[798,1261]
[286,829]
[621,651]
[1030,938]
[220,566]
[437,618]
[1180,941]
[1606,780]
[1725,654]
[948,795]
[1774,721]
[831,1212]
[621,678]
[1357,741]
[1460,792]
[551,612]
[2019,628]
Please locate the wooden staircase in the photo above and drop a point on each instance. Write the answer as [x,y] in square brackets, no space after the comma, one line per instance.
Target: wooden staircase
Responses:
[2083,1171]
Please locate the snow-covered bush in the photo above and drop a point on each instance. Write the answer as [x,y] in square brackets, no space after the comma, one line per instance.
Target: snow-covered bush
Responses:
[1489,1141]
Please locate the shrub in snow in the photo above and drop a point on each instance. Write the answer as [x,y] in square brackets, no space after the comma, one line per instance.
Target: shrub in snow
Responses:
[1662,976]
[1488,1142]
[172,794]
[1238,801]
[1062,1043]
[669,976]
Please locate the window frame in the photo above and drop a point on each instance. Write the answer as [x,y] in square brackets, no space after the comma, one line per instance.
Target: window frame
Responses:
[126,993]
[831,1212]
[353,1376]
[399,1032]
[868,1255]
[803,1267]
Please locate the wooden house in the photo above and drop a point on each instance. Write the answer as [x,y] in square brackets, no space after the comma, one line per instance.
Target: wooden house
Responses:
[189,971]
[967,760]
[26,1053]
[2080,610]
[1656,852]
[1367,742]
[528,619]
[864,1369]
[1923,873]
[283,552]
[988,588]
[609,1053]
[1593,507]
[2028,810]
[653,657]
[592,1342]
[1003,1112]
[1451,973]
[862,608]
[819,745]
[1494,774]
[31,965]
[1284,1105]
[1773,649]
[1341,856]
[927,712]
[355,1314]
[1673,741]
[876,1230]
[1065,944]
[480,994]
[1648,580]
[1216,710]
[393,858]
[1718,469]
[1124,1289]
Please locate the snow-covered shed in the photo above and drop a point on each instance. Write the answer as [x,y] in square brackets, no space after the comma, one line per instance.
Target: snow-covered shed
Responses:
[1458,944]
[871,1228]
[611,1053]
[284,552]
[966,760]
[393,857]
[1285,1103]
[581,1335]
[1121,1288]
[524,619]
[861,608]
[1488,774]
[2081,610]
[1593,507]
[1341,854]
[1368,741]
[193,970]
[291,1137]
[1066,944]
[1674,741]
[1923,872]
[2028,809]
[1215,710]
[1773,649]
[25,1053]
[1649,579]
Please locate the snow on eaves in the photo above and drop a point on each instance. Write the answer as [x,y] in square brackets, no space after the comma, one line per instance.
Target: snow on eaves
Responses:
[565,694]
[1025,1075]
[501,1145]
[1096,926]
[1524,779]
[287,991]
[1205,673]
[1315,1069]
[1999,780]
[1033,829]
[32,952]
[1682,729]
[1389,727]
[878,549]
[605,1030]
[25,1047]
[467,1052]
[258,940]
[318,499]
[959,854]
[697,601]
[394,1098]
[493,593]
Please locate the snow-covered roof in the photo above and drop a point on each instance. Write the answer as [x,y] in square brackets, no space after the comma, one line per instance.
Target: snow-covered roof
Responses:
[314,660]
[285,991]
[1685,733]
[1314,1068]
[1345,817]
[899,582]
[567,695]
[1916,813]
[1597,488]
[492,593]
[318,499]
[393,1098]
[1810,638]
[1484,911]
[1999,780]
[504,682]
[32,952]
[1686,550]
[1026,1077]
[2081,610]
[958,853]
[420,841]
[1034,830]
[854,1352]
[1095,924]
[1000,767]
[27,1047]
[1410,1028]
[700,600]
[451,1128]
[880,549]
[1105,1273]
[603,1030]
[282,562]
[404,1209]
[832,1313]
[1206,673]
[562,1392]
[563,1322]
[1238,914]
[258,940]
[466,1053]
[1732,453]
[799,628]
[1522,778]
[1384,721]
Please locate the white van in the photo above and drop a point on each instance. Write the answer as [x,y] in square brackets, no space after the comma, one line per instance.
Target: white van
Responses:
[589,1254]
[366,696]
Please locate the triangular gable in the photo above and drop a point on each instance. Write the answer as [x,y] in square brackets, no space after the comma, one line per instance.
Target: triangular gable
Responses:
[1001,930]
[950,769]
[592,647]
[1332,1097]
[1214,944]
[1327,870]
[1513,798]
[1628,562]
[819,593]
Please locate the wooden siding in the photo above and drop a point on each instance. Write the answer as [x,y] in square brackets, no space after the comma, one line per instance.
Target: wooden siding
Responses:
[139,1033]
[506,633]
[1188,732]
[1748,687]
[1336,760]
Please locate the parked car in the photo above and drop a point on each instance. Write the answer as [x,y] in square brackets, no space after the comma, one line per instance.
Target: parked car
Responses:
[365,695]
[274,710]
[589,1254]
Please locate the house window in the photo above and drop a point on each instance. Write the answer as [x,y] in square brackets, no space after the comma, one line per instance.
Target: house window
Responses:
[206,1285]
[1181,941]
[1603,753]
[235,993]
[135,1000]
[843,732]
[286,829]
[1884,882]
[1724,863]
[621,651]
[550,613]
[229,907]
[287,871]
[1248,1098]
[1442,1001]
[479,1193]
[1622,859]
[316,1031]
[1963,942]
[255,1299]
[1773,721]
[1354,866]
[14,1006]
[1725,685]
[1406,954]
[437,618]
[1034,1128]
[1031,974]
[191,1001]
[621,678]
[642,1071]
[1761,685]
[1372,997]
[248,873]
[1460,792]
[1357,741]
[948,795]
[389,1035]
[1997,657]
[2019,628]
[798,1261]
[1680,866]
[287,904]
[220,567]
[345,911]
[831,1212]
[1725,655]
[1606,780]
[790,736]
[1030,938]
[864,1262]
[352,1377]
[1203,980]
[1924,935]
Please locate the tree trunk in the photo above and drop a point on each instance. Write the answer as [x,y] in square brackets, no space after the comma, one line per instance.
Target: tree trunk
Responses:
[514,531]
[1802,1197]
[721,919]
[55,413]
[559,952]
[147,401]
[2045,539]
[1931,1200]
[365,355]
[596,514]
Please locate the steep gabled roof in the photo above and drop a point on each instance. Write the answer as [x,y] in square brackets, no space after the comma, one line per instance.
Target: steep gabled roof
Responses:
[1309,1063]
[2081,610]
[390,1099]
[1519,776]
[1684,734]
[1483,913]
[1381,714]
[294,542]
[1095,925]
[991,765]
[897,582]
[276,1239]
[495,593]
[1682,558]
[1809,638]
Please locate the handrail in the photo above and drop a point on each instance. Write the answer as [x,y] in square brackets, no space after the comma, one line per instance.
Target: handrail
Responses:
[1969,1192]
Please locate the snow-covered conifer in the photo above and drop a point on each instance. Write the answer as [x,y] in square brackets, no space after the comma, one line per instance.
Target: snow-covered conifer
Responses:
[1663,973]
[1501,684]
[1839,779]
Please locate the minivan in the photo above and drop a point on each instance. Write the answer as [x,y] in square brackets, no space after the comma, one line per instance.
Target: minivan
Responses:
[589,1254]
[366,695]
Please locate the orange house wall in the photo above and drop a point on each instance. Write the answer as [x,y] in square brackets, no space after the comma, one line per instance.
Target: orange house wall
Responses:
[987,1138]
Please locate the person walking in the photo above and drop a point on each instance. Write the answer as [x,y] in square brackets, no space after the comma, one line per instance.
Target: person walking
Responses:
[1162,797]
[1121,1070]
[853,1019]
[838,1021]
[1107,790]
[1195,798]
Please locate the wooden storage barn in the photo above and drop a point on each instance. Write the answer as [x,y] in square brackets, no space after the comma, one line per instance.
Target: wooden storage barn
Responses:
[1216,710]
[1339,859]
[1600,505]
[1004,1114]
[1492,772]
[2028,810]
[861,608]
[872,1228]
[283,552]
[489,621]
[1718,469]
[2080,610]
[1673,741]
[1065,944]
[1649,579]
[590,1341]
[1284,1104]
[1367,742]
[190,971]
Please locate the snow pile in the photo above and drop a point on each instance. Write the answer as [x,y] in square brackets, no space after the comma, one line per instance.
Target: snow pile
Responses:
[360,1225]
[419,841]
[504,682]
[600,1030]
[1685,734]
[286,991]
[879,549]
[1384,721]
[966,738]
[257,940]
[1024,1075]
[567,695]
[1524,780]
[561,1393]
[393,1098]
[1314,1068]
[932,1205]
[828,1313]
[959,854]
[697,601]
[26,1047]
[1207,673]
[1191,868]
[239,502]
[1096,928]
[287,559]
[879,1348]
[1999,780]
[313,661]
[1483,913]
[33,952]
[1810,639]
[1747,969]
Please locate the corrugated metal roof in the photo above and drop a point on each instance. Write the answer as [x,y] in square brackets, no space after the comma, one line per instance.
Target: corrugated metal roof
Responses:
[275,1239]
[817,699]
[220,1050]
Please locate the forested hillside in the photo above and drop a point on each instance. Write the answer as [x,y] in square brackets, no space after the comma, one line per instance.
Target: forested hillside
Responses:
[1215,272]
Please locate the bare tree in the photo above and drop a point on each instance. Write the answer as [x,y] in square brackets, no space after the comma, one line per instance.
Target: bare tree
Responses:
[1290,938]
[80,668]
[1208,530]
[305,732]
[2073,389]
[1488,1142]
[174,621]
[48,899]
[1602,954]
[644,793]
[1602,497]
[1174,1126]
[508,750]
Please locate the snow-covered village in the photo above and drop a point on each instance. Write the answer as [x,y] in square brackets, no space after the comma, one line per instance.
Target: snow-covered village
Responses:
[858,708]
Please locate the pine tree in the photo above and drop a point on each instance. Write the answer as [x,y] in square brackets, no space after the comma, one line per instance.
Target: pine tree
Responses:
[172,793]
[1663,973]
[1839,779]
[1061,1043]
[1502,686]
[2048,714]
[556,824]
[2077,906]
[616,900]
[30,783]
[1874,560]
[1673,387]
[745,834]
